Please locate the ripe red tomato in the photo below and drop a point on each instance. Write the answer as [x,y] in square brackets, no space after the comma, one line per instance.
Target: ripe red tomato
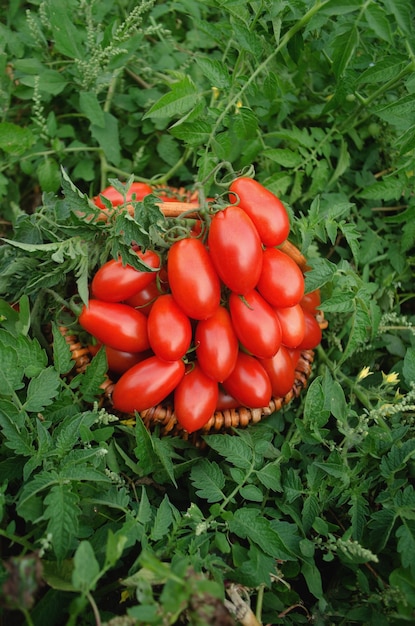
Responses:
[146,384]
[116,325]
[138,190]
[193,280]
[281,372]
[311,301]
[144,299]
[115,282]
[313,334]
[236,249]
[249,383]
[293,325]
[256,324]
[281,282]
[216,345]
[226,401]
[195,399]
[120,361]
[264,208]
[169,329]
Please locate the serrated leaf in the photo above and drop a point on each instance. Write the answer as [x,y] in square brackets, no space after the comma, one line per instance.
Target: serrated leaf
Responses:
[283,156]
[193,133]
[16,435]
[42,390]
[163,451]
[312,577]
[248,40]
[378,22]
[163,520]
[399,111]
[233,449]
[62,356]
[345,46]
[256,569]
[247,524]
[270,476]
[315,412]
[182,97]
[63,512]
[401,10]
[406,544]
[322,272]
[360,327]
[311,509]
[339,303]
[215,71]
[144,450]
[91,379]
[208,480]
[384,190]
[26,508]
[86,568]
[11,369]
[49,175]
[383,69]
[251,493]
[245,123]
[358,515]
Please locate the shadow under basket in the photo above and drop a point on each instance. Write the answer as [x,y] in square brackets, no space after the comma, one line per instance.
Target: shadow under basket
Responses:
[163,414]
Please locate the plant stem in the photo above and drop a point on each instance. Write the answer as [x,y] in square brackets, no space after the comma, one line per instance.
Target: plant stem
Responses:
[94,608]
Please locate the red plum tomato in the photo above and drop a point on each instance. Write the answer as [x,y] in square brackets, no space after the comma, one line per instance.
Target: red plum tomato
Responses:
[249,383]
[281,372]
[144,299]
[281,282]
[138,190]
[236,249]
[115,282]
[192,278]
[169,329]
[264,208]
[226,401]
[146,384]
[311,301]
[293,326]
[313,334]
[115,324]
[195,399]
[216,344]
[256,324]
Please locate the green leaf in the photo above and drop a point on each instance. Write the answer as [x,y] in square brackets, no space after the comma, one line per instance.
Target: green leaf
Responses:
[144,450]
[384,190]
[42,390]
[245,123]
[344,49]
[182,98]
[215,71]
[15,139]
[313,579]
[15,433]
[86,568]
[63,513]
[251,493]
[49,175]
[67,37]
[107,136]
[409,365]
[91,379]
[208,480]
[315,411]
[401,11]
[193,133]
[163,520]
[233,449]
[256,569]
[247,524]
[270,475]
[91,107]
[283,156]
[62,356]
[378,22]
[322,271]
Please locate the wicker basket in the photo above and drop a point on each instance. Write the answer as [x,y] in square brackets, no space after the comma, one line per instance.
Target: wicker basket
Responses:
[163,414]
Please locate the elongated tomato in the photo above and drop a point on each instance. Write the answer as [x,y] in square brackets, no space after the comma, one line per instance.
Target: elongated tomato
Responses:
[312,334]
[115,282]
[249,383]
[169,329]
[136,190]
[236,249]
[193,280]
[217,345]
[281,372]
[146,384]
[116,325]
[144,299]
[293,326]
[256,324]
[195,399]
[264,208]
[281,282]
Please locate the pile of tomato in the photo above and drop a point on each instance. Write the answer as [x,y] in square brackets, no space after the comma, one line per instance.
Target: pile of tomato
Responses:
[219,321]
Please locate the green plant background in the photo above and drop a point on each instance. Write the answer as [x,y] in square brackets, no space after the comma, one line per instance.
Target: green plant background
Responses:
[309,515]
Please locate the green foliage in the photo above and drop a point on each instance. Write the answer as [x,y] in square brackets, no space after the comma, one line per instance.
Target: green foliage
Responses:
[308,515]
